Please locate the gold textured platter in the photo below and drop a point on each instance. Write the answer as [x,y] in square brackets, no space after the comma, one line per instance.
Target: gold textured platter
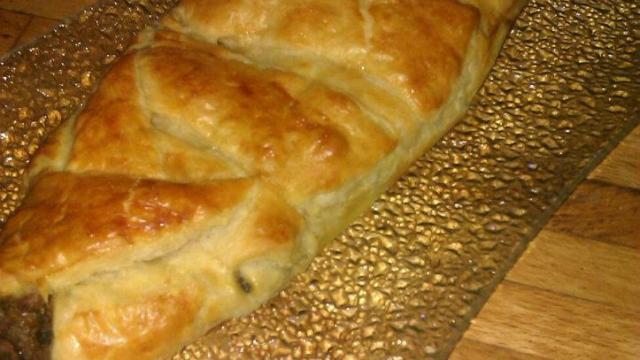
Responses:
[405,279]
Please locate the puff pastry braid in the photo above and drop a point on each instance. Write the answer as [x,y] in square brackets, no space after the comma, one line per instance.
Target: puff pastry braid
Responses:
[224,149]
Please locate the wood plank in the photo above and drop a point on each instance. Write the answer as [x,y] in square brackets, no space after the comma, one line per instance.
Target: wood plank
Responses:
[11,26]
[473,350]
[46,8]
[37,27]
[587,269]
[622,166]
[542,323]
[600,211]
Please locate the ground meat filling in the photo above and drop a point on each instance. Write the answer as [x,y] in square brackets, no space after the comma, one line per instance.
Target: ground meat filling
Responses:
[25,328]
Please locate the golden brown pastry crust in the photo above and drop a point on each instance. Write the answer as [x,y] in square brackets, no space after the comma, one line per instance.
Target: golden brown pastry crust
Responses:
[224,150]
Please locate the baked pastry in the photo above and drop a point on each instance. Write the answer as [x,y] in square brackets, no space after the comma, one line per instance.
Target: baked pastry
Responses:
[223,150]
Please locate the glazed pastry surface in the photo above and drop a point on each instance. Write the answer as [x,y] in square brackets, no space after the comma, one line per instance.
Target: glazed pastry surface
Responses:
[228,145]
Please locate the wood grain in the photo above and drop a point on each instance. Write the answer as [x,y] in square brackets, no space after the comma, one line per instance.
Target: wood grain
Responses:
[574,292]
[622,166]
[53,9]
[600,211]
[470,349]
[582,268]
[36,27]
[543,323]
[12,25]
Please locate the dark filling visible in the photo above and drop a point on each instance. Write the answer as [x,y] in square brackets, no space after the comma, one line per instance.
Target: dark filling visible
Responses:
[25,328]
[244,284]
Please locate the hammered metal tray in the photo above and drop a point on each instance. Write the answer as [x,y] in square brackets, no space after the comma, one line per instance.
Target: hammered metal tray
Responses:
[404,280]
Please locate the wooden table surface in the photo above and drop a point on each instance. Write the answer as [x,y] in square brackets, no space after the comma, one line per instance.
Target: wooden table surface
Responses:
[575,293]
